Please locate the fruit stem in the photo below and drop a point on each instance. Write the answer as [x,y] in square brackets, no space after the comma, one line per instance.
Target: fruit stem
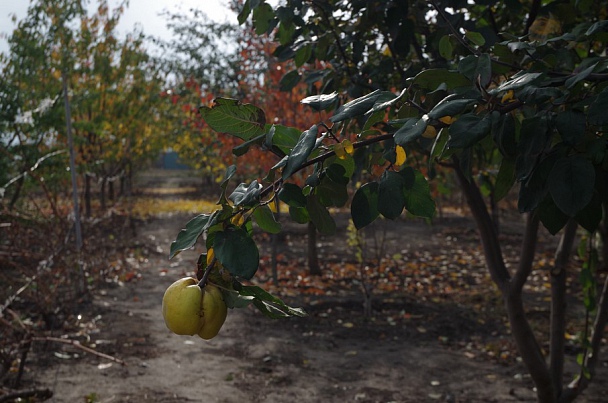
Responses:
[205,277]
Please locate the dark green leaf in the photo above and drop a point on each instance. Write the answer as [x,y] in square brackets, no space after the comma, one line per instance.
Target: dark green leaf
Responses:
[468,130]
[230,171]
[571,126]
[475,37]
[282,138]
[551,216]
[268,304]
[299,214]
[303,54]
[418,200]
[504,132]
[292,195]
[264,217]
[534,137]
[289,80]
[262,17]
[244,121]
[187,237]
[450,106]
[445,47]
[571,184]
[244,14]
[319,216]
[237,252]
[504,179]
[331,193]
[518,81]
[244,147]
[591,215]
[391,197]
[597,111]
[364,207]
[430,79]
[578,77]
[321,102]
[301,151]
[246,195]
[356,107]
[411,130]
[477,68]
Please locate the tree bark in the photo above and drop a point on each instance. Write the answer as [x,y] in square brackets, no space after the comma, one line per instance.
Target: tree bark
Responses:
[559,306]
[313,259]
[87,195]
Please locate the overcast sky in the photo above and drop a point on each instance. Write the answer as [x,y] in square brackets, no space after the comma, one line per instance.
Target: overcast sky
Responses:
[139,12]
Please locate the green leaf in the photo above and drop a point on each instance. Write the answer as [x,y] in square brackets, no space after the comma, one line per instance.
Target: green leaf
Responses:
[245,195]
[364,207]
[230,171]
[303,54]
[237,252]
[552,218]
[476,68]
[578,77]
[445,47]
[262,17]
[319,216]
[504,133]
[226,115]
[292,195]
[450,106]
[418,200]
[187,237]
[596,114]
[356,107]
[411,130]
[391,198]
[331,193]
[282,138]
[475,37]
[265,219]
[571,126]
[301,151]
[321,102]
[244,14]
[505,179]
[591,216]
[571,184]
[534,135]
[468,130]
[268,304]
[518,81]
[289,81]
[430,79]
[439,145]
[299,214]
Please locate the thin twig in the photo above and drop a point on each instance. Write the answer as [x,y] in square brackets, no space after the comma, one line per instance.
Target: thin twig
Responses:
[77,344]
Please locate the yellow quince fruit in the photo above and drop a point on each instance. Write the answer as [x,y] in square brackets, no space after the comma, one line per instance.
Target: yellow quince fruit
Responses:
[189,310]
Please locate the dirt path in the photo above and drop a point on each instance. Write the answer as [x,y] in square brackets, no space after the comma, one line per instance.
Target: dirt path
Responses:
[334,355]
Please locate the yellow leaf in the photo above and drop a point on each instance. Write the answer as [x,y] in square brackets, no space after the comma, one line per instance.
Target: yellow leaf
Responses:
[348,147]
[507,97]
[448,120]
[401,156]
[210,256]
[340,151]
[430,132]
[544,27]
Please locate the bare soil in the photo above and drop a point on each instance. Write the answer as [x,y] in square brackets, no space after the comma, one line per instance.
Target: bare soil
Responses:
[421,346]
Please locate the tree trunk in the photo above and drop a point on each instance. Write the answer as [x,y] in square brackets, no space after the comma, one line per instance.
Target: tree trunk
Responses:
[313,259]
[15,197]
[274,247]
[111,190]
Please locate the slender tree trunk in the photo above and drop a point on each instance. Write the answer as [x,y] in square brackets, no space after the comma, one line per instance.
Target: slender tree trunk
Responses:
[313,258]
[274,247]
[559,306]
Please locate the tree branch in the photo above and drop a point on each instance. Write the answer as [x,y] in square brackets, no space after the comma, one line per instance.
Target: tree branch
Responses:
[487,231]
[532,15]
[526,257]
